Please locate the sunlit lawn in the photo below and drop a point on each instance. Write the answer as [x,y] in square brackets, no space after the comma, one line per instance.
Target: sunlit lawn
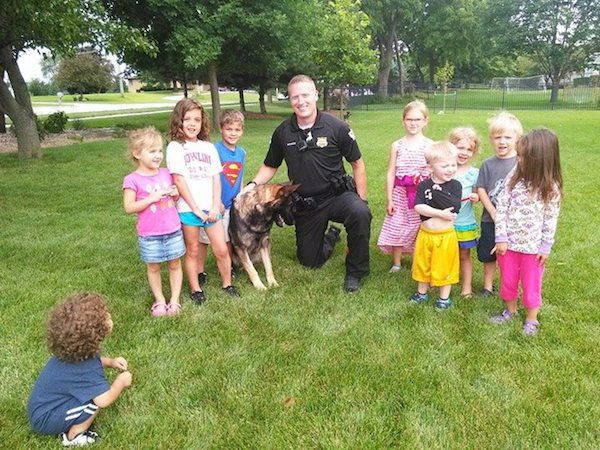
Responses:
[303,365]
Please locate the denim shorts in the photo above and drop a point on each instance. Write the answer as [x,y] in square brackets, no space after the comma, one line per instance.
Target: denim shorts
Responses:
[158,249]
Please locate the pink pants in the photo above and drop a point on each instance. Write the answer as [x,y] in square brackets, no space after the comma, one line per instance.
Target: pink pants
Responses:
[518,267]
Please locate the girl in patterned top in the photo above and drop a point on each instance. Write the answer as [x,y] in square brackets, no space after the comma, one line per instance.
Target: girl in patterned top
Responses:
[526,218]
[406,169]
[467,143]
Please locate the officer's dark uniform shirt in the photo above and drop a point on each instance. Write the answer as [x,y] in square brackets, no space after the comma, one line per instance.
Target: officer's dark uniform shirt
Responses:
[446,197]
[312,162]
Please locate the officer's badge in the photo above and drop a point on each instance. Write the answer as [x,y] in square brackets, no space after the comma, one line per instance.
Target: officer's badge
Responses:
[321,142]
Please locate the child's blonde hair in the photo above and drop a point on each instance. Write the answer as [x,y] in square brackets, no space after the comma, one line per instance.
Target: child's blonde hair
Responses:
[440,150]
[416,105]
[229,116]
[467,133]
[138,140]
[505,121]
[538,165]
[182,107]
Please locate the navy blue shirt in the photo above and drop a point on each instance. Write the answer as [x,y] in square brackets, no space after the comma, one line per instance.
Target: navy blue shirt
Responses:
[63,394]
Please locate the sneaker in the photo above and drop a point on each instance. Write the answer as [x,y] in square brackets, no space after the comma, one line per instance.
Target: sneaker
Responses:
[504,317]
[198,297]
[232,291]
[441,304]
[419,298]
[486,293]
[351,284]
[531,327]
[202,278]
[85,438]
[395,268]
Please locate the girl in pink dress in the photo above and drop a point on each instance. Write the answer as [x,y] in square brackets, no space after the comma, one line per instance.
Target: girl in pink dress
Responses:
[406,168]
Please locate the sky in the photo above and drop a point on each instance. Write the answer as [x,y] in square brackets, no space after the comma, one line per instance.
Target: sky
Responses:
[29,63]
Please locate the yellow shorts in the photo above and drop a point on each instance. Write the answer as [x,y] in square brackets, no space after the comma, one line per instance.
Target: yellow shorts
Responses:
[436,260]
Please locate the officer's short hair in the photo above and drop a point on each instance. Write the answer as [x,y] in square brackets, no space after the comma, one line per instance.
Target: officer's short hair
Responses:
[301,78]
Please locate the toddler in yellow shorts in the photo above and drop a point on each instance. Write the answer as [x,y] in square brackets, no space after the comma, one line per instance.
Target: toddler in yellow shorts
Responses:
[436,260]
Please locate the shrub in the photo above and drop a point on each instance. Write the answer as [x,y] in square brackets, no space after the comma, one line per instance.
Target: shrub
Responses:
[78,124]
[56,122]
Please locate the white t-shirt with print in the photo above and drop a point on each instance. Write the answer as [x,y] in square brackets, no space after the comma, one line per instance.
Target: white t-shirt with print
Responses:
[197,162]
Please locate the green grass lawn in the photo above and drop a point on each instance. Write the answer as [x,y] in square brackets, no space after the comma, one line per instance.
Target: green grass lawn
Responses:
[303,365]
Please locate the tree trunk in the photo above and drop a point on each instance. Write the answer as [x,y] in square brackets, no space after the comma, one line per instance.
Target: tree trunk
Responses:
[555,85]
[18,106]
[2,123]
[386,48]
[242,101]
[399,64]
[261,97]
[325,97]
[185,89]
[214,94]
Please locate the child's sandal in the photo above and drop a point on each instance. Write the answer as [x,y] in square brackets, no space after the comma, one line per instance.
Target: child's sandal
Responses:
[395,268]
[159,309]
[173,309]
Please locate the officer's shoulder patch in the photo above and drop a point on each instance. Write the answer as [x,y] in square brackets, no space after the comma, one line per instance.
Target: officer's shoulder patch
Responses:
[351,134]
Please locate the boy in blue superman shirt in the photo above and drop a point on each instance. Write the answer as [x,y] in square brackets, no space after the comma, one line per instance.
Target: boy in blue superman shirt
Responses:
[233,159]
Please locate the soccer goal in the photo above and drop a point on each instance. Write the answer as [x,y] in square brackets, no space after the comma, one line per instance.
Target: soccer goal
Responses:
[534,83]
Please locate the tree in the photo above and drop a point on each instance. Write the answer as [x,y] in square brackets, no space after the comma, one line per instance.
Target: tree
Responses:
[59,25]
[386,17]
[346,57]
[84,73]
[559,35]
[443,75]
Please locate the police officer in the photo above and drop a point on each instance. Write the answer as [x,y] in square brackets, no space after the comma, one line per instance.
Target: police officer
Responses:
[313,145]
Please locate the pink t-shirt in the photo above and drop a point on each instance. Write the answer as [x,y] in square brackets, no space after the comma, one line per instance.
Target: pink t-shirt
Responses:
[161,217]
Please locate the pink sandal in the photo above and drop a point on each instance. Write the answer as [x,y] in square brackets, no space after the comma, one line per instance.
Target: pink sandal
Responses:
[159,309]
[173,309]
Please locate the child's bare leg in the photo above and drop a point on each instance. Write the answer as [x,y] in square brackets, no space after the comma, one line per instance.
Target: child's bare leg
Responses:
[81,427]
[422,288]
[466,271]
[531,314]
[202,252]
[489,270]
[191,235]
[396,256]
[175,279]
[445,291]
[155,282]
[216,235]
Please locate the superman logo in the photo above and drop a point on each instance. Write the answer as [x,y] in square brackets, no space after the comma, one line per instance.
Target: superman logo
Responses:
[231,170]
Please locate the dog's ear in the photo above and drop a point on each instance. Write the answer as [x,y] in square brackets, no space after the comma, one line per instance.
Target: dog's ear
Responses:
[287,189]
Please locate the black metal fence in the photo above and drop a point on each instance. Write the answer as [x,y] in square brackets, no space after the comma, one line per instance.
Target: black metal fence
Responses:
[468,96]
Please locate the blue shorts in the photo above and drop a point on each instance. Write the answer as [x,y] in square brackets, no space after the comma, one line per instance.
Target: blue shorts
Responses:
[191,219]
[158,249]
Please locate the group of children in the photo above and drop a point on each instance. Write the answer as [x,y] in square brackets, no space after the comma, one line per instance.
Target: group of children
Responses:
[184,207]
[431,188]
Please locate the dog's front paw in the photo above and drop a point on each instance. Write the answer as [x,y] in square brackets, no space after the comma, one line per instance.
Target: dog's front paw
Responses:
[260,286]
[273,283]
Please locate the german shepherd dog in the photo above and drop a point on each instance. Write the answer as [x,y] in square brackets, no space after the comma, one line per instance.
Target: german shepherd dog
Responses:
[252,216]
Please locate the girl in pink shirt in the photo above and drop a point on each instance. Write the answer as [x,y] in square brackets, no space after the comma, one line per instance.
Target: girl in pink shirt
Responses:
[150,193]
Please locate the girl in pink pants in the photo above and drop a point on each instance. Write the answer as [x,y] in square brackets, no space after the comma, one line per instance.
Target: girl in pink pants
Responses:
[526,216]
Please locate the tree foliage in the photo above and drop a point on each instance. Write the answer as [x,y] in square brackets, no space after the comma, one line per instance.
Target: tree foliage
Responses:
[558,35]
[85,73]
[58,25]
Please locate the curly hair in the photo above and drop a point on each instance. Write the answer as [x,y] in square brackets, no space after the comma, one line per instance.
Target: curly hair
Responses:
[77,326]
[468,133]
[176,122]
